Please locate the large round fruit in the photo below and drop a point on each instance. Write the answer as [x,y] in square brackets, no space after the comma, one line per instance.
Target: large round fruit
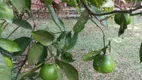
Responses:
[103,63]
[49,72]
[8,61]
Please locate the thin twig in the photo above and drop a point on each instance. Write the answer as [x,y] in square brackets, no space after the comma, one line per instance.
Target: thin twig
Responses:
[15,67]
[13,31]
[34,24]
[24,62]
[21,68]
[33,70]
[101,30]
[112,12]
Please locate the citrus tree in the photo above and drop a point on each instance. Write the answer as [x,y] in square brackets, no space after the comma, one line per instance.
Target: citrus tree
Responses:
[50,52]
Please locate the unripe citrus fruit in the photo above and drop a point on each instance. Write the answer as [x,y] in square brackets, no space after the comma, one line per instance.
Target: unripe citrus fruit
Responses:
[49,72]
[120,17]
[103,63]
[117,18]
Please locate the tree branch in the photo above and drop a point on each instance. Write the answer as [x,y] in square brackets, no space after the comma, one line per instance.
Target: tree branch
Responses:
[112,12]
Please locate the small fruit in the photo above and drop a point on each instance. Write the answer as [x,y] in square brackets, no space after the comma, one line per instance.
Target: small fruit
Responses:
[103,63]
[8,61]
[49,72]
[120,17]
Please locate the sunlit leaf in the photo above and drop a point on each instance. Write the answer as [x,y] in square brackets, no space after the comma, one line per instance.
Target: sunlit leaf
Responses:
[70,71]
[6,12]
[34,54]
[90,55]
[23,42]
[82,20]
[9,45]
[22,23]
[44,37]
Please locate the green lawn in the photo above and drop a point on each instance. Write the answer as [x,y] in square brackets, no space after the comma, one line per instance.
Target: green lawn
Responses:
[125,51]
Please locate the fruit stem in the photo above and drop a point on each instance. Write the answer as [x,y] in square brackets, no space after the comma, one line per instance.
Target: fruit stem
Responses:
[102,32]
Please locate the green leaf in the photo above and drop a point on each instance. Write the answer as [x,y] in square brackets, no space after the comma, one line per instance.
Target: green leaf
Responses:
[5,72]
[62,36]
[22,5]
[122,20]
[22,23]
[34,54]
[97,3]
[90,55]
[9,45]
[43,55]
[122,28]
[67,39]
[57,21]
[23,42]
[44,37]
[135,2]
[67,57]
[6,12]
[140,53]
[49,2]
[72,42]
[82,20]
[70,71]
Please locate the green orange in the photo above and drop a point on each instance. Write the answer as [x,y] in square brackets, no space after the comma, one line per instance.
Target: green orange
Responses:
[49,72]
[104,63]
[120,18]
